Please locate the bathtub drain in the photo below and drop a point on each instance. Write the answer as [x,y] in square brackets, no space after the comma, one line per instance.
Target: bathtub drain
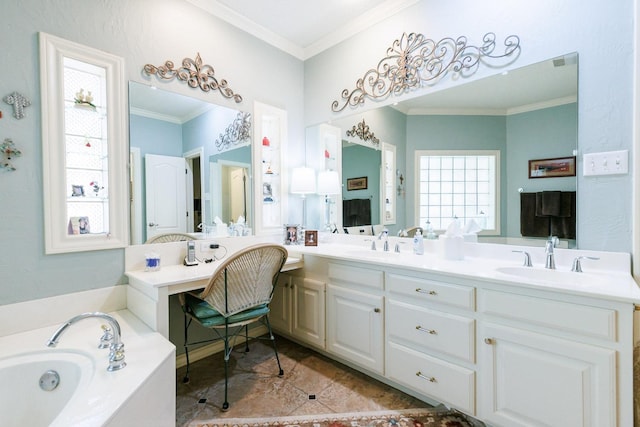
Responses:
[49,380]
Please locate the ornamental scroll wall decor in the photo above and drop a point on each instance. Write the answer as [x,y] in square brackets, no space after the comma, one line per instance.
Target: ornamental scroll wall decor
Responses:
[236,133]
[195,74]
[362,131]
[414,60]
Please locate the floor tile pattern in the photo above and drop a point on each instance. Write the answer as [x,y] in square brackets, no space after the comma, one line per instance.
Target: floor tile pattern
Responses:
[312,384]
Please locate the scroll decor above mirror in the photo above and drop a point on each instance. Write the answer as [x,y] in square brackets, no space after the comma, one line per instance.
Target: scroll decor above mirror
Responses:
[414,60]
[195,74]
[237,133]
[362,131]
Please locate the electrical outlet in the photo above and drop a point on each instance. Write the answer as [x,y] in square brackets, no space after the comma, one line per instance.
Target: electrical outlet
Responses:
[606,163]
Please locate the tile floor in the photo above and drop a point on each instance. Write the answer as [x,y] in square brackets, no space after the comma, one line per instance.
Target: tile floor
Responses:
[312,384]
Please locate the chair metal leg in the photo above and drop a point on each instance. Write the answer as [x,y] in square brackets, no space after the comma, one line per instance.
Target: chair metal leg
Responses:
[275,348]
[187,322]
[227,351]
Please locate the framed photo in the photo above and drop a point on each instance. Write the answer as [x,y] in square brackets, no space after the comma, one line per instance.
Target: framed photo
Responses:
[357,183]
[77,191]
[291,232]
[311,237]
[552,168]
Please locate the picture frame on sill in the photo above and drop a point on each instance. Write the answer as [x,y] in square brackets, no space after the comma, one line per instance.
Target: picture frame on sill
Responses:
[552,168]
[291,232]
[357,183]
[311,237]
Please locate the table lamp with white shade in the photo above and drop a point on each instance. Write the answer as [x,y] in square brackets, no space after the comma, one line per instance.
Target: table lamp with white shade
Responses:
[328,185]
[303,182]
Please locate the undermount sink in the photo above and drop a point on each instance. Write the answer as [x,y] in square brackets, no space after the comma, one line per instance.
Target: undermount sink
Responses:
[549,275]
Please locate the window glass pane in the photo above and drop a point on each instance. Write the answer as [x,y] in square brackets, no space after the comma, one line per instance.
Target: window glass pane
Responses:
[461,186]
[86,148]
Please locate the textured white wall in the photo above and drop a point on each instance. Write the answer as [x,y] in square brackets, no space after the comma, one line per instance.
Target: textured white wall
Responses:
[601,32]
[141,31]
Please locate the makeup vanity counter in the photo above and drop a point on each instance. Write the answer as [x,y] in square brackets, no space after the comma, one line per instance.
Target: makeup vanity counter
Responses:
[510,345]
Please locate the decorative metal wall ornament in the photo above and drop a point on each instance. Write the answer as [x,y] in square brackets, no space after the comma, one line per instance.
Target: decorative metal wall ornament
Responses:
[414,60]
[236,133]
[19,102]
[362,131]
[8,150]
[195,74]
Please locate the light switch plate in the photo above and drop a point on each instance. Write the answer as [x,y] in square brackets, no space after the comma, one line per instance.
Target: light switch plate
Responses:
[606,163]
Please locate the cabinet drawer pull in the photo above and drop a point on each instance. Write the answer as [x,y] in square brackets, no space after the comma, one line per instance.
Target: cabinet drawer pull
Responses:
[423,291]
[376,310]
[431,331]
[489,341]
[424,377]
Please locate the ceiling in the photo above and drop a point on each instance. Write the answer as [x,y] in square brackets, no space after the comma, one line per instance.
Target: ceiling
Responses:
[303,28]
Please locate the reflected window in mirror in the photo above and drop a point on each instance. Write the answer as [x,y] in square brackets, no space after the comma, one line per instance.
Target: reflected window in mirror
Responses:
[459,185]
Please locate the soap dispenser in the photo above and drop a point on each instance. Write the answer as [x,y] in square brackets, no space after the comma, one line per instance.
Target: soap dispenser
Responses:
[418,243]
[431,235]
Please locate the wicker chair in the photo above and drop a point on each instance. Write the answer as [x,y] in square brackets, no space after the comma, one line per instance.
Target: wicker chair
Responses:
[237,295]
[169,237]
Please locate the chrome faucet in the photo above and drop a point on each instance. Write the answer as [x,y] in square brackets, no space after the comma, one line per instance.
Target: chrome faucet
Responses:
[548,250]
[116,348]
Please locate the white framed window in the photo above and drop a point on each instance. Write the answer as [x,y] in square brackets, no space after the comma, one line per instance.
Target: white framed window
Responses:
[462,184]
[84,147]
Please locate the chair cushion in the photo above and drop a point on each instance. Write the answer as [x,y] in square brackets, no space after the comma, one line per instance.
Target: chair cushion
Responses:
[210,317]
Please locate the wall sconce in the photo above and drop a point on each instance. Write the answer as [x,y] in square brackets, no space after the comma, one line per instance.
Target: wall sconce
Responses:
[303,182]
[328,185]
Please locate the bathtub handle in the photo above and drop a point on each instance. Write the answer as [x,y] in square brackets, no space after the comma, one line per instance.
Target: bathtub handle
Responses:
[116,357]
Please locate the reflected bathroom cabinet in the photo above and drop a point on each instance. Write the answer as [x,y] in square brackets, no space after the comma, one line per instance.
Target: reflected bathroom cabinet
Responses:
[270,138]
[84,147]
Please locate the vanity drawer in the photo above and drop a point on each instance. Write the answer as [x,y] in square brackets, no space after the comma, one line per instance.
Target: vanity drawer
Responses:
[357,275]
[432,291]
[443,381]
[557,315]
[431,330]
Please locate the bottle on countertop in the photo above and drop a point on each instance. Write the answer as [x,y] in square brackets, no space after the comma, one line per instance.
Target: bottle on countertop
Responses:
[418,243]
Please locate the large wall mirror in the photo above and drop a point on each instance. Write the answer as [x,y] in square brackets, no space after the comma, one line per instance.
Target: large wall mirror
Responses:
[170,133]
[527,113]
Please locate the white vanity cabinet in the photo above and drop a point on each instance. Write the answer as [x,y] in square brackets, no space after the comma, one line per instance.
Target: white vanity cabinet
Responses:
[298,309]
[355,321]
[430,338]
[552,362]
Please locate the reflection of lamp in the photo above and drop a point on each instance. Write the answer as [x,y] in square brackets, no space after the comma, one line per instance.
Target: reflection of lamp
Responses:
[328,185]
[303,182]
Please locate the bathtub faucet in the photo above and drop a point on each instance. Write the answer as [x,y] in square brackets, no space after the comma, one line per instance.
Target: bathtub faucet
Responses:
[116,348]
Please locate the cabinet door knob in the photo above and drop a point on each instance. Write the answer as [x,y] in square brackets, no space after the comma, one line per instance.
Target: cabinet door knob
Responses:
[376,310]
[489,341]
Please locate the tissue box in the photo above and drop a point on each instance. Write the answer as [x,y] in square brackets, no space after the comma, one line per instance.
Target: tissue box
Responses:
[452,247]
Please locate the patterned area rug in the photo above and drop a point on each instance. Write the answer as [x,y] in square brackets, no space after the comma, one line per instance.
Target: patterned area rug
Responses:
[434,417]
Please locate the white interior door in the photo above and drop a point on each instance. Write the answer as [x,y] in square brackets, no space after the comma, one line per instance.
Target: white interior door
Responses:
[166,194]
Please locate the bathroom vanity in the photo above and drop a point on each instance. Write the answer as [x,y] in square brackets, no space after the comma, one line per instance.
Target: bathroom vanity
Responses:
[507,344]
[510,345]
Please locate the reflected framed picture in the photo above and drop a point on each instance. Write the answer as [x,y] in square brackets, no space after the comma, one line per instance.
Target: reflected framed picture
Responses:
[357,183]
[291,234]
[552,168]
[77,191]
[311,237]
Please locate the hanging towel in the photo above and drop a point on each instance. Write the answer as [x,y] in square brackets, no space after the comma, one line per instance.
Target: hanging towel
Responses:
[549,203]
[564,226]
[530,224]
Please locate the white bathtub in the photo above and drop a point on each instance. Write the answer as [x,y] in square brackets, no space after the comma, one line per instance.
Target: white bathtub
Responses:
[87,394]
